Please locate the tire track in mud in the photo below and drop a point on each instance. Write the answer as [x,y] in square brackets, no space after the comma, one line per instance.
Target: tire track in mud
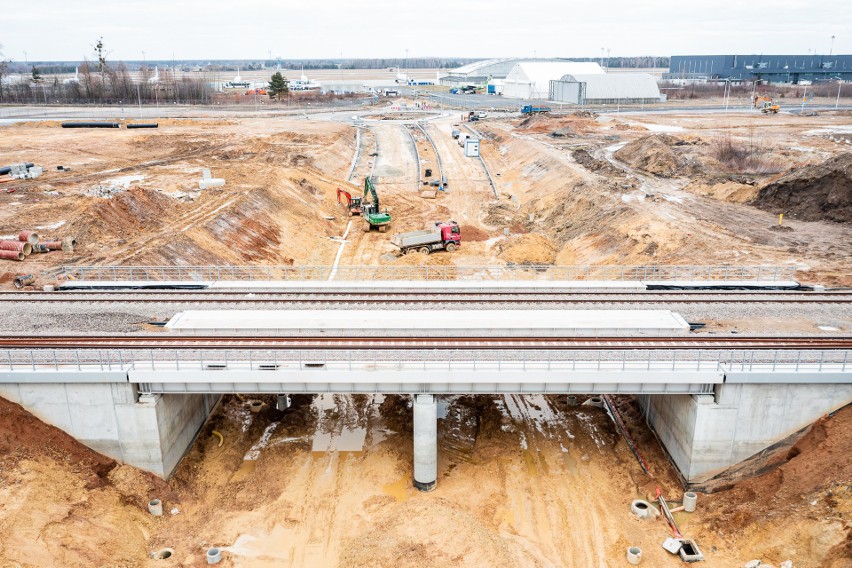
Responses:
[542,514]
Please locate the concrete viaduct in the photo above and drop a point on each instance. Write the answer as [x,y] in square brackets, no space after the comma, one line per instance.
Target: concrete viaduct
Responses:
[711,408]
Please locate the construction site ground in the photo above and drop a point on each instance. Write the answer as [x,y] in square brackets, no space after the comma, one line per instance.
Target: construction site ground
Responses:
[571,191]
[523,480]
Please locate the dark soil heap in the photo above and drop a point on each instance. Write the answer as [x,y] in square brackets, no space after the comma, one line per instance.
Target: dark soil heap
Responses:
[821,192]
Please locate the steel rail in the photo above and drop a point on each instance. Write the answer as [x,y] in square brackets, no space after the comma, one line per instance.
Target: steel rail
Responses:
[154,341]
[450,297]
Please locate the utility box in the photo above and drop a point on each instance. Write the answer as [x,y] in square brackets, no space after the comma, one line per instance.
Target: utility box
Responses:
[471,148]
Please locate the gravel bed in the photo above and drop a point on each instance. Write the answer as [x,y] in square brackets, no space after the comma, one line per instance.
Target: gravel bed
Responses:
[125,317]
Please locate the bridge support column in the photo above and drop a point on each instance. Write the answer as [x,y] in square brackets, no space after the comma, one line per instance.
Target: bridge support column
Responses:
[425,442]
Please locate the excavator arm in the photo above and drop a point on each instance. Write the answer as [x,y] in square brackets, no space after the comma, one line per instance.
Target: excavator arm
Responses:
[345,194]
[371,190]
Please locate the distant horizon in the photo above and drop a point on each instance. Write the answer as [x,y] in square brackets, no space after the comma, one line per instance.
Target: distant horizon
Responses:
[257,30]
[401,61]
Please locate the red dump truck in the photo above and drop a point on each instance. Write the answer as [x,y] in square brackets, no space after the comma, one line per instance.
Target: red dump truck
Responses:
[445,236]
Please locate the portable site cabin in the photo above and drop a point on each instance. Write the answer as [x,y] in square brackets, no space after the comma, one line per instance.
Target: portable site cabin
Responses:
[471,147]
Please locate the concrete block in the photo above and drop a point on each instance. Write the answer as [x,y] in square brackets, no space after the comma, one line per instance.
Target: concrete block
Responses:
[11,392]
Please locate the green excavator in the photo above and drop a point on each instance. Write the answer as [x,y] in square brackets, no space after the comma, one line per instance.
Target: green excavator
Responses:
[371,212]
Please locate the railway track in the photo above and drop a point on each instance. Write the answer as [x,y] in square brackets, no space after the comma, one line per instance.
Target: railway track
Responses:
[548,343]
[417,298]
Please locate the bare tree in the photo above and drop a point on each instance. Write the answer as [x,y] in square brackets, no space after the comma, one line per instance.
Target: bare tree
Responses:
[4,66]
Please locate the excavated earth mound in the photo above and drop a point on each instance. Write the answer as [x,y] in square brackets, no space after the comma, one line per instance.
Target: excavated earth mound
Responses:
[652,154]
[821,192]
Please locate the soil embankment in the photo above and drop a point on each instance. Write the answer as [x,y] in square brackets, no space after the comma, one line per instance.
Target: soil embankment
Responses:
[821,192]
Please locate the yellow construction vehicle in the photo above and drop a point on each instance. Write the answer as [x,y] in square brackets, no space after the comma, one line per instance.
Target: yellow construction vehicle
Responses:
[766,105]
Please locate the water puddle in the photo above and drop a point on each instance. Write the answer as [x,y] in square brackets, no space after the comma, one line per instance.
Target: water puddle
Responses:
[398,489]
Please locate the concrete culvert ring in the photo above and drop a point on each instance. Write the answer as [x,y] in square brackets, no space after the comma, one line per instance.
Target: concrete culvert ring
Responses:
[640,508]
[164,554]
[595,401]
[214,555]
[255,406]
[634,555]
[155,507]
[572,400]
[689,501]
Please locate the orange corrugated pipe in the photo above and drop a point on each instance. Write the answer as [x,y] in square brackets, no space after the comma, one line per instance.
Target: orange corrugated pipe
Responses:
[11,255]
[19,246]
[28,237]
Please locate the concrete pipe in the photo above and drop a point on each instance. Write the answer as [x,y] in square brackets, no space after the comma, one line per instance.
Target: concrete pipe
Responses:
[690,500]
[19,246]
[155,507]
[595,401]
[572,400]
[641,509]
[28,237]
[634,555]
[425,442]
[24,280]
[11,255]
[255,406]
[282,402]
[214,555]
[164,554]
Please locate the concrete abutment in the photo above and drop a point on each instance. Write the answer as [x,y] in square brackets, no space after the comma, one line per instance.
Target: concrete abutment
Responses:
[707,433]
[151,432]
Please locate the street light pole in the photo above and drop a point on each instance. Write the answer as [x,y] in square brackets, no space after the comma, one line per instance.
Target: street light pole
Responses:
[837,101]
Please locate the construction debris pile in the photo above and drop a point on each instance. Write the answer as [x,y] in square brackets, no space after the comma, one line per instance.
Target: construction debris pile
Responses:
[28,243]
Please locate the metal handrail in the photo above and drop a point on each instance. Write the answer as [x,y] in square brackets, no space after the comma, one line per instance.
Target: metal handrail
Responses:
[513,360]
[429,273]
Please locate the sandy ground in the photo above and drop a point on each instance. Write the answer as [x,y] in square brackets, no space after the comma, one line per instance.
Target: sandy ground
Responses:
[132,196]
[523,481]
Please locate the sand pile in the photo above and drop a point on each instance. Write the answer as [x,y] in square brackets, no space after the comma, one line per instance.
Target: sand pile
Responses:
[821,192]
[653,154]
[66,505]
[803,506]
[725,191]
[472,233]
[585,159]
[567,125]
[532,248]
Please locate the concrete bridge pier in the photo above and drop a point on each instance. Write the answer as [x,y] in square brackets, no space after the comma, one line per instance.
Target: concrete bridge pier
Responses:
[425,442]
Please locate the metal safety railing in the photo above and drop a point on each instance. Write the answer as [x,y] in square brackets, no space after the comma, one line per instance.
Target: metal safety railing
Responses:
[449,360]
[429,273]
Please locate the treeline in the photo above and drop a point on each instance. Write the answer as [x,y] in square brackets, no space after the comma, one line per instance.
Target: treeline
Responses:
[110,85]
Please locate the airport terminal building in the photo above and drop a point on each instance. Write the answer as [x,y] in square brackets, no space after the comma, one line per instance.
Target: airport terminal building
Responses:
[792,69]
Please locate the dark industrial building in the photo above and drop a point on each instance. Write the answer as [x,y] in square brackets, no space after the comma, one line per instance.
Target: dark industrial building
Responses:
[766,68]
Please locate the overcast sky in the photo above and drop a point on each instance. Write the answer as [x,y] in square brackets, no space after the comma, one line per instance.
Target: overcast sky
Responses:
[251,29]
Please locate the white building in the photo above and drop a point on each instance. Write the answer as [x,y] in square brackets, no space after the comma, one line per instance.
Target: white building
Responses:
[531,80]
[609,88]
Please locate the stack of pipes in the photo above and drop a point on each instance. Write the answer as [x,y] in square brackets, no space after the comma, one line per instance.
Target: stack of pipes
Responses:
[28,243]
